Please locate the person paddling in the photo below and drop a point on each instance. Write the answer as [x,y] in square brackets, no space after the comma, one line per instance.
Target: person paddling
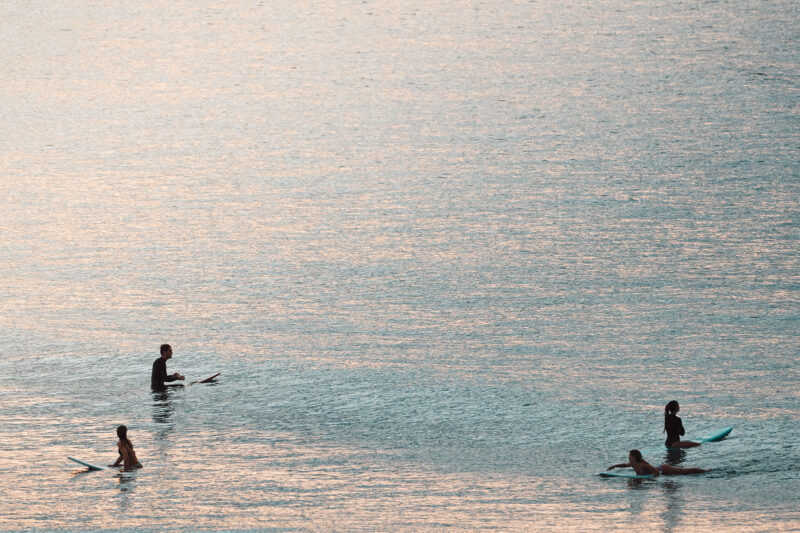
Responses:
[674,427]
[643,468]
[159,375]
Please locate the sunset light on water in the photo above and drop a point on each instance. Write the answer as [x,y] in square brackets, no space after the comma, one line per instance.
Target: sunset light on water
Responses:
[451,260]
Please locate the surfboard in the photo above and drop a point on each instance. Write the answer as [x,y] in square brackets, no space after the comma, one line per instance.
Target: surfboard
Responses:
[719,435]
[629,476]
[207,380]
[714,437]
[90,466]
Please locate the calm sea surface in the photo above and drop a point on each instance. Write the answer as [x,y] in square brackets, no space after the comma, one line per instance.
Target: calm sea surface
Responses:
[451,258]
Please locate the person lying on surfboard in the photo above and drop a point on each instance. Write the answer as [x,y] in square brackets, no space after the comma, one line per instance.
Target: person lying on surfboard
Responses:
[643,468]
[674,427]
[159,375]
[126,454]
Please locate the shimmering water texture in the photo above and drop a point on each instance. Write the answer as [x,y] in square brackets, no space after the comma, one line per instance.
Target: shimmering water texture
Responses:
[452,259]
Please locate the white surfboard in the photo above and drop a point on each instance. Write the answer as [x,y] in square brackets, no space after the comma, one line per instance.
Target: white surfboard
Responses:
[206,380]
[90,466]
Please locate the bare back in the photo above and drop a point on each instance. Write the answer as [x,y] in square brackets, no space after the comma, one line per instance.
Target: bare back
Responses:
[128,455]
[643,468]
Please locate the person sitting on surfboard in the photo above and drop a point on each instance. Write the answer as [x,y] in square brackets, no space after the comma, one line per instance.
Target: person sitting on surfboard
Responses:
[159,375]
[643,468]
[126,453]
[674,427]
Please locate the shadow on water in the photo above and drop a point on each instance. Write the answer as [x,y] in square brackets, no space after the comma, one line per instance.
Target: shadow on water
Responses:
[672,502]
[637,506]
[126,487]
[675,456]
[162,406]
[77,474]
[163,410]
[125,479]
[672,506]
[639,484]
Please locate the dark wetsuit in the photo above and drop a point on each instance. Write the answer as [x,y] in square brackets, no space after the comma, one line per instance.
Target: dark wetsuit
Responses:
[159,375]
[674,428]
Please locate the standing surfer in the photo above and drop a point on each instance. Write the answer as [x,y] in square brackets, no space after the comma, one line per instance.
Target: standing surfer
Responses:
[159,375]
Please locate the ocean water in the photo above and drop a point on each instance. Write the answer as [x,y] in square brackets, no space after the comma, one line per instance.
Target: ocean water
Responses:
[451,259]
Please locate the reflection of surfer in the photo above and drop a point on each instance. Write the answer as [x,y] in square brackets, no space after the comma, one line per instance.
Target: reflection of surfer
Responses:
[126,452]
[159,375]
[674,427]
[162,406]
[643,468]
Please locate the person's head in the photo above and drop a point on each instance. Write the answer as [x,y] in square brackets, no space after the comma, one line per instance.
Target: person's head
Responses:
[166,351]
[635,456]
[122,433]
[672,408]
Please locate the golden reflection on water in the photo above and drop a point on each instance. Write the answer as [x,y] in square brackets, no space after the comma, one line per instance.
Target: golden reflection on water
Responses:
[285,485]
[244,478]
[534,195]
[281,485]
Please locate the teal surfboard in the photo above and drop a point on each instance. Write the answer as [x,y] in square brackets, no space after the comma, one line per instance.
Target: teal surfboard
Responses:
[714,437]
[629,476]
[90,466]
[719,435]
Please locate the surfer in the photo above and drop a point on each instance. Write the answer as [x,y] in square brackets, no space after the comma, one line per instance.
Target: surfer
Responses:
[643,468]
[159,375]
[674,427]
[126,454]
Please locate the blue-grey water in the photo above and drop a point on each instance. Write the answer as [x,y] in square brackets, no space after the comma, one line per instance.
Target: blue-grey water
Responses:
[451,258]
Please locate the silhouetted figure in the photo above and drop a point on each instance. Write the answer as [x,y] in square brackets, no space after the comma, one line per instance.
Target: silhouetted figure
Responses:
[159,375]
[674,427]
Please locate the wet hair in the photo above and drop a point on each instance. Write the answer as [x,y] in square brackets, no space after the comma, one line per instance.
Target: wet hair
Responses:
[671,408]
[164,348]
[122,433]
[636,455]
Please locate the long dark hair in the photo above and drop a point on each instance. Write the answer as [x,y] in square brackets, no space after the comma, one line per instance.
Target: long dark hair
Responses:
[636,455]
[122,433]
[670,410]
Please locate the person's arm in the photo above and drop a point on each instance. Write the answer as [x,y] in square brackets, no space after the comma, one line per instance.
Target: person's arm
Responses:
[119,459]
[621,465]
[680,424]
